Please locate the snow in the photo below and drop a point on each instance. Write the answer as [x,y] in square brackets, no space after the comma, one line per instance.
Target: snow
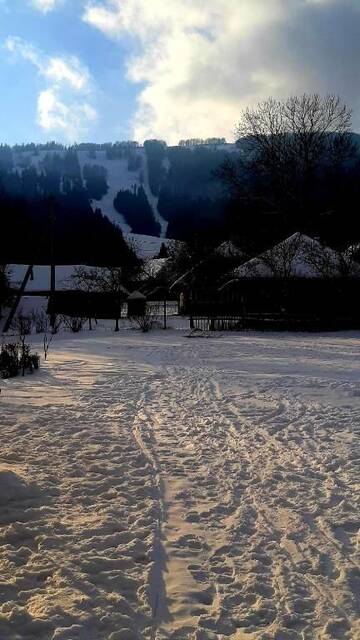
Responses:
[118,177]
[32,304]
[170,488]
[154,200]
[41,280]
[13,488]
[229,250]
[298,256]
[153,267]
[136,295]
[147,246]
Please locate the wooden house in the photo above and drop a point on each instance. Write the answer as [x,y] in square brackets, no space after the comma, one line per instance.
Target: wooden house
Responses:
[297,284]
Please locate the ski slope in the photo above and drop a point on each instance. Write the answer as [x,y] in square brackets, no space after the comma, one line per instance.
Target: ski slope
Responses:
[118,178]
[169,487]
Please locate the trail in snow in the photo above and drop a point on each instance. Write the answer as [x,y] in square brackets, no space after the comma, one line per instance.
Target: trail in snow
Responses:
[172,488]
[153,200]
[118,177]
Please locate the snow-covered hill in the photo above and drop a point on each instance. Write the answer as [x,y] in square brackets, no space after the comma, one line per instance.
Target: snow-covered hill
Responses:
[123,167]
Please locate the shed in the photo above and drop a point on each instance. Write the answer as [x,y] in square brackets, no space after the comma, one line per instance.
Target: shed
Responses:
[136,304]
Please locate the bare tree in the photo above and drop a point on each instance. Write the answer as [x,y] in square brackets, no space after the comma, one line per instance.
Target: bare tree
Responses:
[331,263]
[22,325]
[285,144]
[40,320]
[73,323]
[300,256]
[280,259]
[147,320]
[101,279]
[104,279]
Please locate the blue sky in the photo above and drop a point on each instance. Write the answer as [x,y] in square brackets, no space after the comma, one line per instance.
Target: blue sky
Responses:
[101,70]
[62,33]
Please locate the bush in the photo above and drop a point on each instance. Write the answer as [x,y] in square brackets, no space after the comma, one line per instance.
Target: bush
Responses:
[9,360]
[22,324]
[33,361]
[148,320]
[40,321]
[74,324]
[16,358]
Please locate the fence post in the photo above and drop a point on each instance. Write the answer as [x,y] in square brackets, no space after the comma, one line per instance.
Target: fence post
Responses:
[165,314]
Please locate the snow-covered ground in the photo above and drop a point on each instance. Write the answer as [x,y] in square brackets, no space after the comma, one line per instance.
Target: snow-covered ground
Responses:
[119,177]
[157,486]
[41,280]
[148,246]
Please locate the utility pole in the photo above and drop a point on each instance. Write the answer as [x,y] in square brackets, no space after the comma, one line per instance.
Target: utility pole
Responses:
[165,312]
[28,275]
[52,218]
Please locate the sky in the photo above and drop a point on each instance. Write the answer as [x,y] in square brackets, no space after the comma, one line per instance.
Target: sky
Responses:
[107,70]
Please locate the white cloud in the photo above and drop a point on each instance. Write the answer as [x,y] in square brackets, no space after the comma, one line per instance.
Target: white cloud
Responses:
[200,63]
[58,69]
[45,6]
[56,115]
[63,106]
[68,70]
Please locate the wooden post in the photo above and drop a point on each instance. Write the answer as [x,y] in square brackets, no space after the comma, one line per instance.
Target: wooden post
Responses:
[19,295]
[243,310]
[52,297]
[165,314]
[52,267]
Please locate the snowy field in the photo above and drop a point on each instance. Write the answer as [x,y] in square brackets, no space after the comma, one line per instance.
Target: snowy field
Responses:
[156,486]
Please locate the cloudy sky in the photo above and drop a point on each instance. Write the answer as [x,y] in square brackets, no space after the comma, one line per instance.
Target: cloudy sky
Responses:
[101,70]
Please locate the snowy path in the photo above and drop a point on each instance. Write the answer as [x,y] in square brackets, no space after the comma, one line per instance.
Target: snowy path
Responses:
[183,489]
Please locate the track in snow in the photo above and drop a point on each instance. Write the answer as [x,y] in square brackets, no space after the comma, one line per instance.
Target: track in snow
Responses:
[200,489]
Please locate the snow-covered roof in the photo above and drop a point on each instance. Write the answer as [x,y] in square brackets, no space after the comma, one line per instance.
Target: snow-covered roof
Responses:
[153,267]
[352,250]
[229,250]
[298,256]
[136,295]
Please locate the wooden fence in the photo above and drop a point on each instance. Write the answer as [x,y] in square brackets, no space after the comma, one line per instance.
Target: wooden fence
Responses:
[273,322]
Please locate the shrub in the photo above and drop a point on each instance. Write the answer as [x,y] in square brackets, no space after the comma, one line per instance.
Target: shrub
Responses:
[9,360]
[40,321]
[16,357]
[22,324]
[74,324]
[147,321]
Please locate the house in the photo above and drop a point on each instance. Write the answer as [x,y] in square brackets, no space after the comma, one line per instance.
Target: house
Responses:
[200,283]
[78,291]
[298,282]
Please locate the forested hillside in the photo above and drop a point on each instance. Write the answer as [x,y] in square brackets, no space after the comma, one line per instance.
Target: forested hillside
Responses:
[152,190]
[99,191]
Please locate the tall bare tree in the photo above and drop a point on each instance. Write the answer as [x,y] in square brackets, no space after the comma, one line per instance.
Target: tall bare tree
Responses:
[286,145]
